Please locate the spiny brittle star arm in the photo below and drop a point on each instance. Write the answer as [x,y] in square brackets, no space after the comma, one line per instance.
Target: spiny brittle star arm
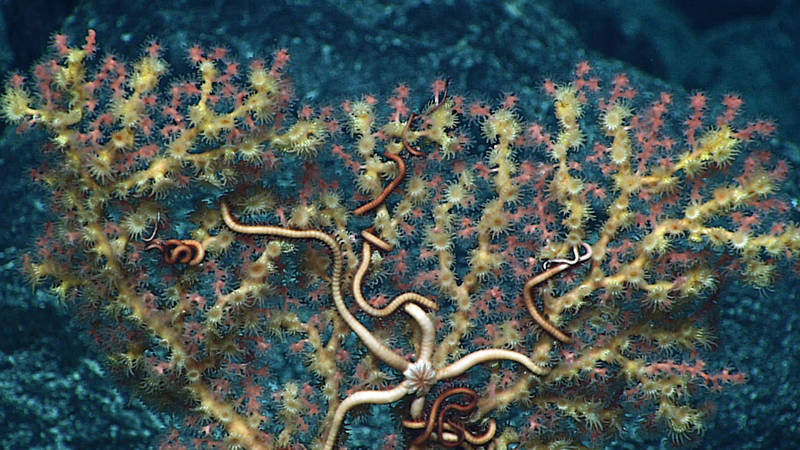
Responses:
[527,291]
[401,172]
[366,253]
[374,345]
[489,354]
[360,398]
[426,327]
[449,433]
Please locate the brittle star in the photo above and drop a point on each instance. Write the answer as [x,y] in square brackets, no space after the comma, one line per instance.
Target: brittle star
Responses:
[448,432]
[437,103]
[183,251]
[563,264]
[420,375]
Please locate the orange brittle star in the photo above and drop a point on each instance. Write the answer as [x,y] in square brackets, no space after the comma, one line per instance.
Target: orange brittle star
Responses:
[563,264]
[437,103]
[449,433]
[420,375]
[182,251]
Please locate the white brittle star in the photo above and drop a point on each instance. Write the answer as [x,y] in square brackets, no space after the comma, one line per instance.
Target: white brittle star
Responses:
[420,375]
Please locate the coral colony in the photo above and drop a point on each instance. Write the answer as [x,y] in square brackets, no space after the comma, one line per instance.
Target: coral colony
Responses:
[273,270]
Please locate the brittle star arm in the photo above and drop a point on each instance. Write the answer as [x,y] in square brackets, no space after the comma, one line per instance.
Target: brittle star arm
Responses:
[366,252]
[527,291]
[401,172]
[360,398]
[406,145]
[449,433]
[374,345]
[427,328]
[489,354]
